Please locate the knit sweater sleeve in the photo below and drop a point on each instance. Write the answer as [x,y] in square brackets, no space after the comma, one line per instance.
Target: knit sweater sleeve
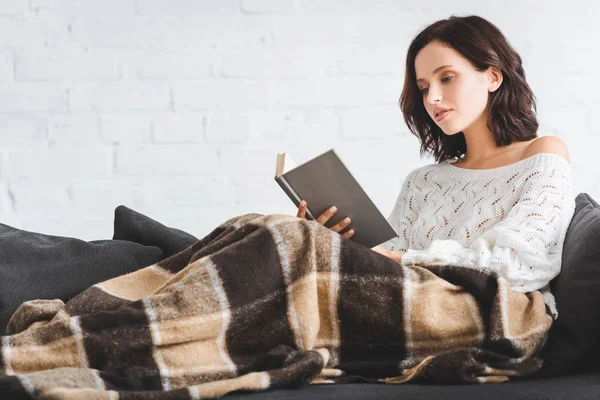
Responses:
[525,247]
[402,216]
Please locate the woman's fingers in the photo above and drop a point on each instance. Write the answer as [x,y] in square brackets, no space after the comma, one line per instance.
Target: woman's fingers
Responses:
[341,225]
[327,215]
[302,210]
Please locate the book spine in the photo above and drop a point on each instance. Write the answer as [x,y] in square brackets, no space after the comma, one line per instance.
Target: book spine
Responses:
[293,195]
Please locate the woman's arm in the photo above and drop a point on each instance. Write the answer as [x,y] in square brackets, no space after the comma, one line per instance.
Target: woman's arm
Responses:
[394,255]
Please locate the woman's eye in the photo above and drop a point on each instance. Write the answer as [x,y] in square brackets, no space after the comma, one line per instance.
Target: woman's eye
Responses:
[443,80]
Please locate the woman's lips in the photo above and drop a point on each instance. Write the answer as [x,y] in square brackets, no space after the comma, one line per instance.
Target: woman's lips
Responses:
[443,115]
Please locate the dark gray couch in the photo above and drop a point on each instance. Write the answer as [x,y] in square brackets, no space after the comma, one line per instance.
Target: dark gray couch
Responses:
[571,369]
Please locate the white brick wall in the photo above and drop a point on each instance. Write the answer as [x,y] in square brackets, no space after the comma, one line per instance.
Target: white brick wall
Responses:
[177,108]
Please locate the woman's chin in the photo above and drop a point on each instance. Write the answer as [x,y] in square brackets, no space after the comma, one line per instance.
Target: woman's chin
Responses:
[451,131]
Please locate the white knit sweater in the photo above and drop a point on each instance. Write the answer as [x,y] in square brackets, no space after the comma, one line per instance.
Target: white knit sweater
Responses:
[511,219]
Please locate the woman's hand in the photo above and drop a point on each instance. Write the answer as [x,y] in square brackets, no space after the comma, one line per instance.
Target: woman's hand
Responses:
[325,217]
[394,255]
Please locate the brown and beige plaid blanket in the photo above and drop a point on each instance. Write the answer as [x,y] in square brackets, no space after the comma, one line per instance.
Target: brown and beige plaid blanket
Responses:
[271,301]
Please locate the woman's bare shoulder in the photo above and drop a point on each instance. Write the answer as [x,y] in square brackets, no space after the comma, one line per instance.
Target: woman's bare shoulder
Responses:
[547,144]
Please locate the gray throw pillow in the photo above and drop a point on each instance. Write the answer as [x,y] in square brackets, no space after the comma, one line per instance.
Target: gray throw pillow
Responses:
[571,345]
[136,227]
[39,266]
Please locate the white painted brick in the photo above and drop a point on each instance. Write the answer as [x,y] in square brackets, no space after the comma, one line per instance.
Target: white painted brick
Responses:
[20,132]
[6,67]
[583,156]
[12,7]
[11,219]
[100,196]
[267,61]
[268,6]
[574,53]
[119,31]
[338,92]
[161,8]
[585,180]
[125,129]
[60,162]
[35,31]
[166,160]
[28,96]
[173,33]
[376,59]
[221,94]
[356,6]
[224,30]
[5,203]
[119,96]
[179,127]
[346,31]
[568,90]
[4,167]
[246,161]
[74,130]
[253,191]
[373,30]
[192,63]
[545,40]
[319,75]
[594,117]
[314,30]
[175,192]
[88,8]
[372,124]
[227,129]
[68,224]
[282,128]
[65,64]
[31,194]
[566,120]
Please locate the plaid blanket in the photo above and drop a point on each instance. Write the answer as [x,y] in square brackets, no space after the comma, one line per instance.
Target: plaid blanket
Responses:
[271,301]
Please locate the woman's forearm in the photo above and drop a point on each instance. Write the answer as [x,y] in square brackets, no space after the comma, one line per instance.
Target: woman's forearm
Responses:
[394,255]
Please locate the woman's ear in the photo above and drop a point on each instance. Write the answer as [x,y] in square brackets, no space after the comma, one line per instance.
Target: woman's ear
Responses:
[494,79]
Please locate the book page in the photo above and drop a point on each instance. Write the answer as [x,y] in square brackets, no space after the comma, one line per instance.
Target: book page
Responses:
[284,164]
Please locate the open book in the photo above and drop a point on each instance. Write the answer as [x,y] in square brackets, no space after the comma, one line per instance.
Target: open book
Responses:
[324,181]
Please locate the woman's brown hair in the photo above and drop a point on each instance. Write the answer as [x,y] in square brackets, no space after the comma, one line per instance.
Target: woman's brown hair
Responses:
[512,108]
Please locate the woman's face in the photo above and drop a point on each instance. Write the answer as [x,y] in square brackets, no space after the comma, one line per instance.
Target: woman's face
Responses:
[459,87]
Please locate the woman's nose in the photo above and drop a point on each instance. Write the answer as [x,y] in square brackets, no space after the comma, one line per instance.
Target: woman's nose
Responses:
[433,95]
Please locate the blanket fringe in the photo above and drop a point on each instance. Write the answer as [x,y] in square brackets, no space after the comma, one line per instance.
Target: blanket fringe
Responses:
[331,372]
[409,373]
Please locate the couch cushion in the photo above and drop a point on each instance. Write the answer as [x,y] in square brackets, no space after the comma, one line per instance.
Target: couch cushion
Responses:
[39,266]
[136,227]
[572,338]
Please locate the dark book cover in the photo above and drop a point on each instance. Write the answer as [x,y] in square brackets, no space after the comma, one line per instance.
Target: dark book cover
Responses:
[325,181]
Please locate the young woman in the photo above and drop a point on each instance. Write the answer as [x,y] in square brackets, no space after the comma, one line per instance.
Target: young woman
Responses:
[499,197]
